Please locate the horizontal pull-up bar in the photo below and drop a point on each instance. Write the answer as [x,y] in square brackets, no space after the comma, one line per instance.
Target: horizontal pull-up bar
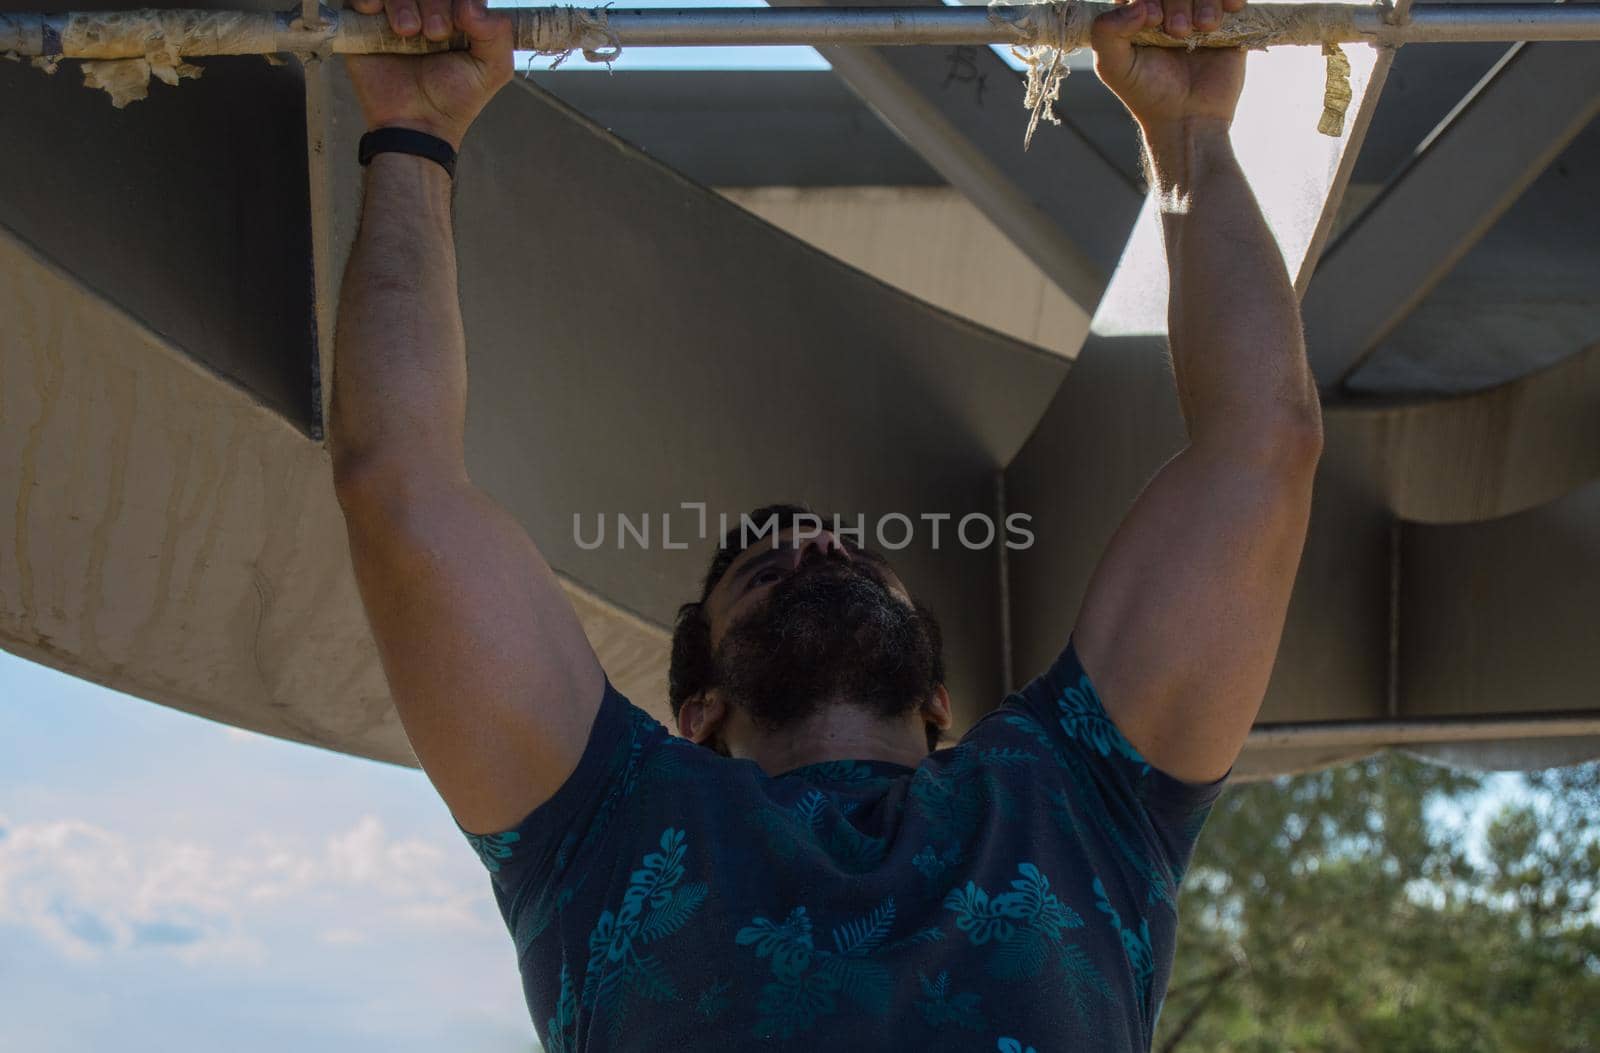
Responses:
[192,33]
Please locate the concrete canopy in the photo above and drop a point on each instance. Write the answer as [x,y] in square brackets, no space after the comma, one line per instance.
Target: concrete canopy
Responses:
[639,343]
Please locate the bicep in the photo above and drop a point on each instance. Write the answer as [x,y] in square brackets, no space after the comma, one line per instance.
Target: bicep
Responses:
[1182,618]
[488,666]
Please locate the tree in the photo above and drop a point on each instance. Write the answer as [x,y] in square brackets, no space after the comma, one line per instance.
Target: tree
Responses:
[1349,909]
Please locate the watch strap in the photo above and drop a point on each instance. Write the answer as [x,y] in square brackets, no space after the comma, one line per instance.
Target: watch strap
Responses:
[407,141]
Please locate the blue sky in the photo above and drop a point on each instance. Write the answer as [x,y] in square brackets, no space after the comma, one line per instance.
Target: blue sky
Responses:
[168,883]
[682,58]
[771,58]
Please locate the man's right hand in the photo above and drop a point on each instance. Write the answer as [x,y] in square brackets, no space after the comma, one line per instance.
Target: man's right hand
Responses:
[439,94]
[1164,88]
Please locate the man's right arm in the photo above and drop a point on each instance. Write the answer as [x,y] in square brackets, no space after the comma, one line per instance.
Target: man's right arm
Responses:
[488,666]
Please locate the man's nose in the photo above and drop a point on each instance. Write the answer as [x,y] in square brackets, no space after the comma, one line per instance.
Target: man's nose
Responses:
[825,546]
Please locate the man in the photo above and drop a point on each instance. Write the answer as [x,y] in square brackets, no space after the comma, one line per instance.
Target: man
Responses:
[796,869]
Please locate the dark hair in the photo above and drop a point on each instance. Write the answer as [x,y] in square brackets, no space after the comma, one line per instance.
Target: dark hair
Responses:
[692,667]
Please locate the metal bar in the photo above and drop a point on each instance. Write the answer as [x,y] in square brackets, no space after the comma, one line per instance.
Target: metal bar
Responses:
[194,33]
[1037,24]
[1407,732]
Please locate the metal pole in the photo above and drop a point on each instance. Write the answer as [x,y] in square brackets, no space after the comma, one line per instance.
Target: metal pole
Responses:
[1411,732]
[193,33]
[1037,24]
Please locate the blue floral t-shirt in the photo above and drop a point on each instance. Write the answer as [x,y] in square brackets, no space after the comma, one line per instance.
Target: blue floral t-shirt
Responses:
[1015,891]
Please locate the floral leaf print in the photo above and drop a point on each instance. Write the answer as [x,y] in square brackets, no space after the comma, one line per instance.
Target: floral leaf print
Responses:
[811,807]
[807,979]
[1008,757]
[867,983]
[789,1008]
[931,934]
[1135,944]
[561,1030]
[767,936]
[1027,925]
[839,771]
[1021,957]
[1083,979]
[654,881]
[934,865]
[1159,888]
[1033,900]
[1032,728]
[666,766]
[624,766]
[938,1008]
[976,917]
[610,948]
[951,799]
[609,942]
[649,980]
[856,938]
[783,838]
[1083,718]
[788,945]
[616,973]
[494,849]
[714,1000]
[854,851]
[671,916]
[1012,1045]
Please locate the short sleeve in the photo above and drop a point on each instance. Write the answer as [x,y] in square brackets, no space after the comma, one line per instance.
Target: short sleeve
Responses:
[1106,774]
[534,857]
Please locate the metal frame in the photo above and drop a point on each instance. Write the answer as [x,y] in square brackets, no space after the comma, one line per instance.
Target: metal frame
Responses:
[112,35]
[1375,733]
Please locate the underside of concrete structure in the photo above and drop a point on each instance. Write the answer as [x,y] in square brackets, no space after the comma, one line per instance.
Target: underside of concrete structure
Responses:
[713,290]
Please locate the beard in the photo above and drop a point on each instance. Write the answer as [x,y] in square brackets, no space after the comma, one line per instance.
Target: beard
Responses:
[830,634]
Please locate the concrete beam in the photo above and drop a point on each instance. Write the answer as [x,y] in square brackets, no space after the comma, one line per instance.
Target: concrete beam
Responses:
[1062,203]
[187,210]
[1462,179]
[643,345]
[1482,456]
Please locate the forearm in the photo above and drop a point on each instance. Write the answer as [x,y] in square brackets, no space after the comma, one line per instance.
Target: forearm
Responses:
[1234,322]
[400,376]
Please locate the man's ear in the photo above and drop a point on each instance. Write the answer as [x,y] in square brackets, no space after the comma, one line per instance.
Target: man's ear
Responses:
[936,709]
[701,717]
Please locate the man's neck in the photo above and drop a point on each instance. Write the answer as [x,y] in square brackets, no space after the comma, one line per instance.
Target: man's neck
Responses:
[839,732]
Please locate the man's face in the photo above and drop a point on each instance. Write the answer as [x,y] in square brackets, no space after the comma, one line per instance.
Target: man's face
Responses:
[802,625]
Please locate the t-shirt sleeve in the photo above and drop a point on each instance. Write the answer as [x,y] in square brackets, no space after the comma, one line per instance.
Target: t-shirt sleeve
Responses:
[1105,773]
[533,858]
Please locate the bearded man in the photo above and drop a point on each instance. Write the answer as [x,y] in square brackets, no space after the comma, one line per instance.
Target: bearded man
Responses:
[800,867]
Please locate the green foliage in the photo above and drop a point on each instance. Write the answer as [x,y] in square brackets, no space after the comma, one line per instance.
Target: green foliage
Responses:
[1343,911]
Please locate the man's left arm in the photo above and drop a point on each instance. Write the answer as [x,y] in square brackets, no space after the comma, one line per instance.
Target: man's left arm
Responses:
[1182,618]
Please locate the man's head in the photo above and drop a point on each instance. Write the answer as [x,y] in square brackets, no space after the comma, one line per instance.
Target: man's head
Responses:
[782,631]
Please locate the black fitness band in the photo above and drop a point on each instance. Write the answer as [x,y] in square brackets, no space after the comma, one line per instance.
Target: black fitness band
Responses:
[406,141]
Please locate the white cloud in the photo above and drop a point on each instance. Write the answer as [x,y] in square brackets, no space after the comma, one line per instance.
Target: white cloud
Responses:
[91,891]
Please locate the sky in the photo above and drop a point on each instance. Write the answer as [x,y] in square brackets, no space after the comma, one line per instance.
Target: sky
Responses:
[169,883]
